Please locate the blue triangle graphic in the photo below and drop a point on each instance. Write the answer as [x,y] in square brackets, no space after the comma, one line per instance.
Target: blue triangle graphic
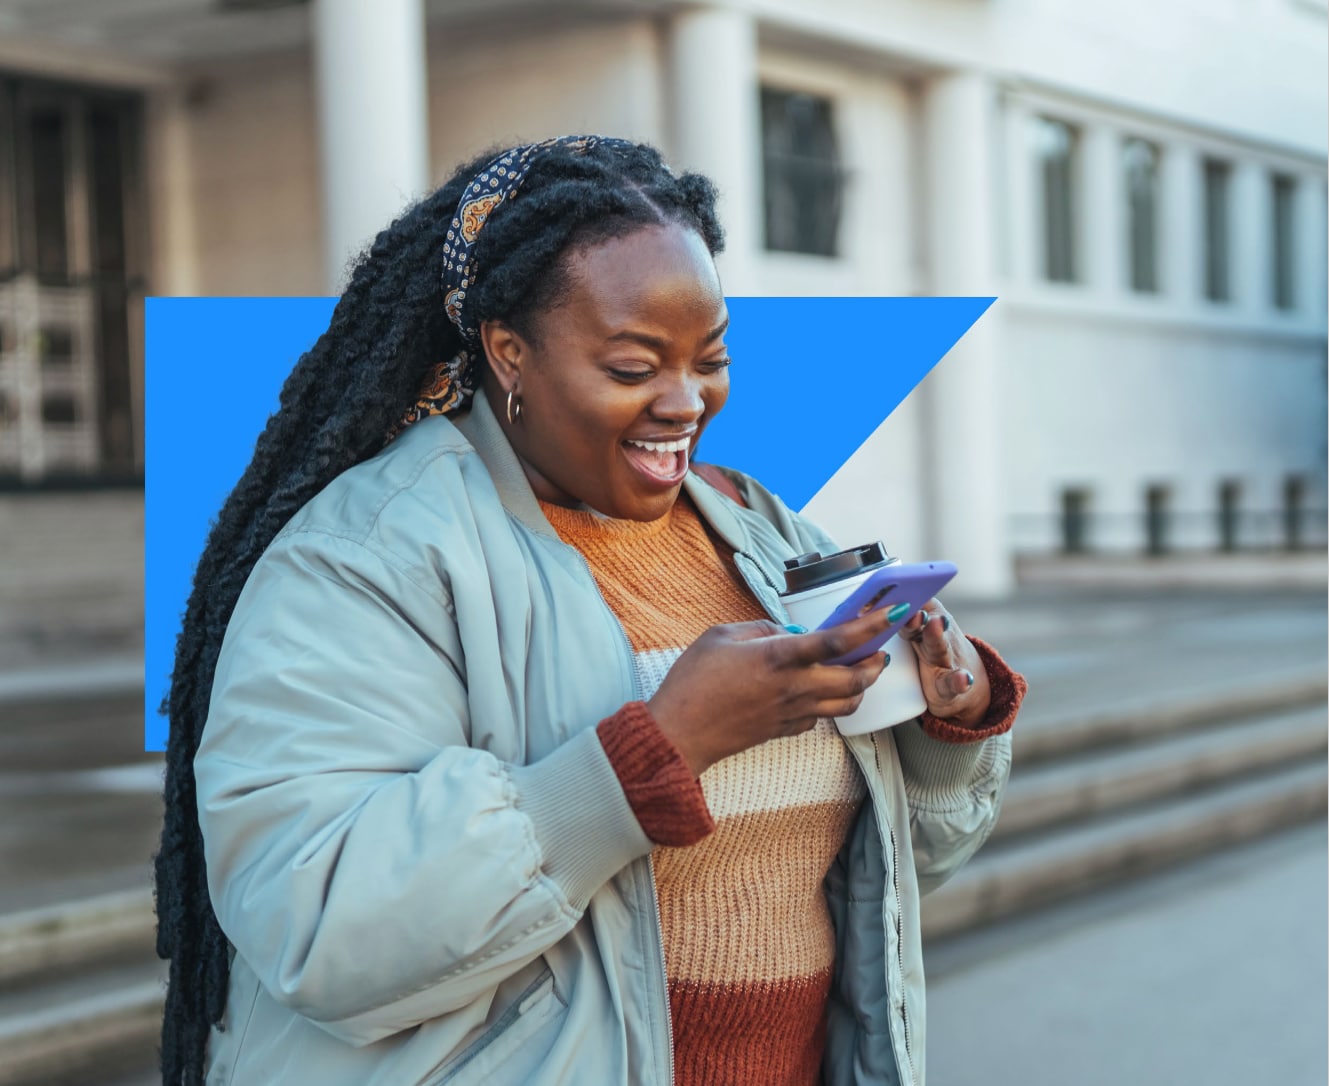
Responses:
[814,377]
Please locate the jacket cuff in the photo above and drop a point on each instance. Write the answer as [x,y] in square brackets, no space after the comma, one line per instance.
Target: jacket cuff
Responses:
[1008,690]
[662,791]
[583,825]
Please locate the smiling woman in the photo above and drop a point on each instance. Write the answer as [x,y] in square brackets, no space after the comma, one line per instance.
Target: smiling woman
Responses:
[491,759]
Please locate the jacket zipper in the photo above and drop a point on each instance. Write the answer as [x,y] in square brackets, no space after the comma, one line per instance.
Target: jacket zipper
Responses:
[896,887]
[758,566]
[651,866]
[660,947]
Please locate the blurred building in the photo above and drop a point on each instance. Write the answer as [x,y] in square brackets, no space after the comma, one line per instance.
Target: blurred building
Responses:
[1143,185]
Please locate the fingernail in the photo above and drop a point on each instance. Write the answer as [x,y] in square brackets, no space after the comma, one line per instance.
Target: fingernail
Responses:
[946,625]
[969,679]
[795,628]
[898,612]
[887,660]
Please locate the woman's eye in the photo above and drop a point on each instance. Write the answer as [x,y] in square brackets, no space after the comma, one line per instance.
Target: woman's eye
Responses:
[716,365]
[630,376]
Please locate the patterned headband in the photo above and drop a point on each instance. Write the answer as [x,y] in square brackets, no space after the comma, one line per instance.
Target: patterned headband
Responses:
[450,384]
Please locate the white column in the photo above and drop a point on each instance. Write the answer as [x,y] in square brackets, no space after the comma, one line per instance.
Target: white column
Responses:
[373,125]
[1102,213]
[962,453]
[175,253]
[1252,223]
[1181,226]
[715,126]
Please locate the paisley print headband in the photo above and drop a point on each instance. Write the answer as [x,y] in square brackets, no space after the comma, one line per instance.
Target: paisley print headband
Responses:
[450,384]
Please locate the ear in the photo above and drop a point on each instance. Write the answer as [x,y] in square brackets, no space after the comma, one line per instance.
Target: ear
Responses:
[505,351]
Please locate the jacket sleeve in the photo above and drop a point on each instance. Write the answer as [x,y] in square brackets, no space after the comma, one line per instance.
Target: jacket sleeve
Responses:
[954,792]
[372,867]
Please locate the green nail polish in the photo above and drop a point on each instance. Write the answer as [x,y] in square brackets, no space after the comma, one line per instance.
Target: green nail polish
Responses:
[898,612]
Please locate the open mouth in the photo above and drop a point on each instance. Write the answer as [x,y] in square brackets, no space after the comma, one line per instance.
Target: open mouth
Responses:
[663,463]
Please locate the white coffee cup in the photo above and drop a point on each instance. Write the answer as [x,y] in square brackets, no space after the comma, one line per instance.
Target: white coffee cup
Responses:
[814,586]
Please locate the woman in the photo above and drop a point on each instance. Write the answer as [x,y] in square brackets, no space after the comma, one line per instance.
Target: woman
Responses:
[459,691]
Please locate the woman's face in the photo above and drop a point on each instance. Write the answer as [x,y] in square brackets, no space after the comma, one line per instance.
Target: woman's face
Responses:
[621,377]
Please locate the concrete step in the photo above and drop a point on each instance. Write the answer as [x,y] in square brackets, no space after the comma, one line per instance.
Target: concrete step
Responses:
[1153,714]
[75,934]
[1091,782]
[82,1028]
[52,686]
[1041,868]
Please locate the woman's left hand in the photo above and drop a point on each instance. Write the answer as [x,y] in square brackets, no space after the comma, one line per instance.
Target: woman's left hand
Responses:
[953,677]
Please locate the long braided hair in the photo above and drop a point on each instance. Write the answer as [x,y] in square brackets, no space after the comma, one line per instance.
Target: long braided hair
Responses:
[344,395]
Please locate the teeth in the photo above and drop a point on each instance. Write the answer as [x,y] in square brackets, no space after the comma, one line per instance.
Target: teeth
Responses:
[662,446]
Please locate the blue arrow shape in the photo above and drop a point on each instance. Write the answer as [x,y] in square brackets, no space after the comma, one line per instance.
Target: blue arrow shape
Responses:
[812,379]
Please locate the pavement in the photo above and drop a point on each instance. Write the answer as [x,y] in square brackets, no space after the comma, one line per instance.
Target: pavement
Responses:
[1213,973]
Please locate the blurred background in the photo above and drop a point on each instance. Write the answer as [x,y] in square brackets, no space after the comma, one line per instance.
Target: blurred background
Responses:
[1126,456]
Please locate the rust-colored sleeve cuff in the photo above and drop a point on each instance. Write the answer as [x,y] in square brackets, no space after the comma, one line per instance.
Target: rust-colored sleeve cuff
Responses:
[1008,690]
[666,797]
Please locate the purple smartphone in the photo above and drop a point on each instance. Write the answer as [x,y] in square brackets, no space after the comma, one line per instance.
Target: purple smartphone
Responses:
[915,584]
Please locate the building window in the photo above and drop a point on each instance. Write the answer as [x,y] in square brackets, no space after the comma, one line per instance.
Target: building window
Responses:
[1215,197]
[1056,152]
[1140,164]
[1284,191]
[803,180]
[71,242]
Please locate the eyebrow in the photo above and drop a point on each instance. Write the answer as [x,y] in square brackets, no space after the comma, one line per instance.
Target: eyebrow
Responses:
[658,343]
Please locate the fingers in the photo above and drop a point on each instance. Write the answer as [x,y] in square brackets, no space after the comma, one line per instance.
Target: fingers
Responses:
[804,649]
[935,636]
[954,683]
[750,631]
[826,690]
[835,691]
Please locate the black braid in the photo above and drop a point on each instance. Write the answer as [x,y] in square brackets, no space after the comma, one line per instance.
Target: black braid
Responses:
[337,405]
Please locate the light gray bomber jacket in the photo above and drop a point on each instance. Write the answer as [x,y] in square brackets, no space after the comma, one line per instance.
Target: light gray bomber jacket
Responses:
[415,843]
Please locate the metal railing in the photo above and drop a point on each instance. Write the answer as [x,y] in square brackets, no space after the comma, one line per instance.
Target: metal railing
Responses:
[1160,532]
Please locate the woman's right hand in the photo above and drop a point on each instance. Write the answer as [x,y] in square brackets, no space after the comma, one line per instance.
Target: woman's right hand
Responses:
[741,684]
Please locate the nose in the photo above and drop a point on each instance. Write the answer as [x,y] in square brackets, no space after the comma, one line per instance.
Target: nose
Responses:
[680,399]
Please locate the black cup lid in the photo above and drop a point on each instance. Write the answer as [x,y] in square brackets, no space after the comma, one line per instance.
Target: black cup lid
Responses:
[811,570]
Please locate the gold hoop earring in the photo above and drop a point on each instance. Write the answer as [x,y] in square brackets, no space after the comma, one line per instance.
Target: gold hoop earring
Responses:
[514,410]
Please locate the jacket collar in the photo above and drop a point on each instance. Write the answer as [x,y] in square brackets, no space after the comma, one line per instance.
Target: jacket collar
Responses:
[481,428]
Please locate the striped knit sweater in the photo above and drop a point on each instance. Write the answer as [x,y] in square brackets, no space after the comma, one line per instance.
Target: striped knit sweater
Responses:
[749,946]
